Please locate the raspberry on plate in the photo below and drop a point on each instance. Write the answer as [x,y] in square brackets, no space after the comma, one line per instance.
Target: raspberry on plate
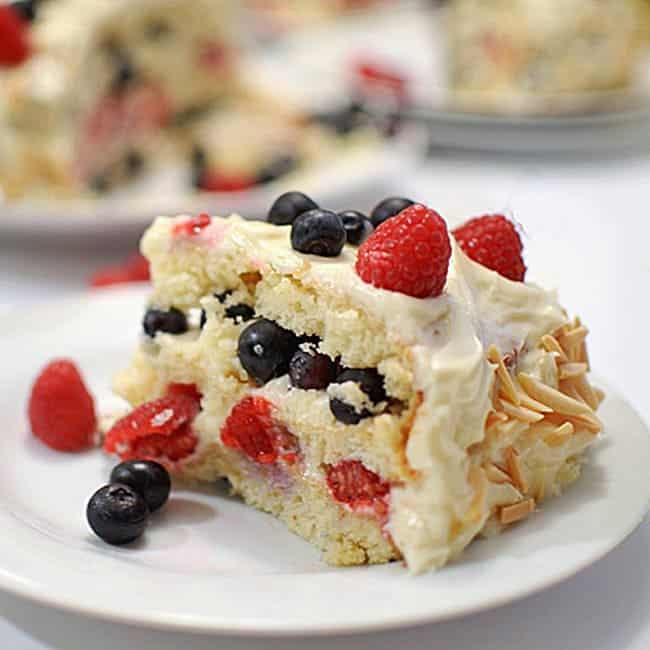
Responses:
[408,253]
[494,242]
[61,410]
[15,47]
[157,430]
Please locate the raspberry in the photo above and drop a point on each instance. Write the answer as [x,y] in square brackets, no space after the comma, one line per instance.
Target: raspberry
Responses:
[374,75]
[158,430]
[61,410]
[216,182]
[408,253]
[192,226]
[494,242]
[352,483]
[15,47]
[135,269]
[251,428]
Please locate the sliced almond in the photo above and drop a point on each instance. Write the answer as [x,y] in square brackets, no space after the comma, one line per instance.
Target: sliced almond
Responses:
[550,344]
[558,401]
[586,391]
[527,401]
[600,394]
[560,435]
[571,369]
[516,511]
[495,474]
[573,338]
[513,464]
[507,384]
[521,412]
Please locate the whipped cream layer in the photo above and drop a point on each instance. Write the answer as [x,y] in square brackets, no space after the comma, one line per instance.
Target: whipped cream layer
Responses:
[434,516]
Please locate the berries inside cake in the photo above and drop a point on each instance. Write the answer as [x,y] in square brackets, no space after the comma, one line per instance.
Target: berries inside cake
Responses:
[385,395]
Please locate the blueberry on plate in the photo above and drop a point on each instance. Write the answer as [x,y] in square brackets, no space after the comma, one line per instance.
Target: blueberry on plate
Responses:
[311,371]
[288,206]
[388,208]
[357,226]
[264,349]
[117,514]
[172,321]
[318,232]
[148,478]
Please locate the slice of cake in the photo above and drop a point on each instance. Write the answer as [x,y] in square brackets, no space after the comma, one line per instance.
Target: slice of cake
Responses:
[542,55]
[388,401]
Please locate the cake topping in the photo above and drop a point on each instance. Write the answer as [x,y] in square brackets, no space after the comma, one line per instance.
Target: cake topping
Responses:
[388,208]
[311,370]
[287,207]
[117,513]
[61,410]
[147,477]
[494,242]
[319,232]
[15,47]
[265,350]
[357,226]
[408,253]
[172,321]
[251,428]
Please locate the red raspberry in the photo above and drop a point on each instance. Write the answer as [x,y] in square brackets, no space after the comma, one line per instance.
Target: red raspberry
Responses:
[216,182]
[61,410]
[192,226]
[352,483]
[408,253]
[15,47]
[158,430]
[251,427]
[494,242]
[135,269]
[373,75]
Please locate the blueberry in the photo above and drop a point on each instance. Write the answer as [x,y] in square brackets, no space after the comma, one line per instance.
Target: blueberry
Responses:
[357,226]
[134,163]
[26,8]
[198,163]
[277,168]
[240,312]
[148,478]
[308,370]
[265,349]
[319,232]
[343,120]
[288,206]
[172,321]
[388,208]
[117,513]
[221,297]
[369,380]
[346,413]
[124,72]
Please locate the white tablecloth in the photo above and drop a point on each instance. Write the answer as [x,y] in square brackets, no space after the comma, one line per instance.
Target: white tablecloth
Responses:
[588,232]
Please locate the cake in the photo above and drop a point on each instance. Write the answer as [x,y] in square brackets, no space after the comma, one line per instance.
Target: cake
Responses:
[394,400]
[542,55]
[95,105]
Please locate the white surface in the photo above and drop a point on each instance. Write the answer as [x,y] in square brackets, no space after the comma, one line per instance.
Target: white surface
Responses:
[209,563]
[594,209]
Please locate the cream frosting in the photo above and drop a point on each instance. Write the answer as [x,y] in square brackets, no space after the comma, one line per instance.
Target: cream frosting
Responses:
[431,518]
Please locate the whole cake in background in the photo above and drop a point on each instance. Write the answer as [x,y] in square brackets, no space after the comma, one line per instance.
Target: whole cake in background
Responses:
[542,55]
[105,92]
[388,394]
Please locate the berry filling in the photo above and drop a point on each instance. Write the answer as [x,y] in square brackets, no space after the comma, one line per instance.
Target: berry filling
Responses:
[192,226]
[351,483]
[158,430]
[252,428]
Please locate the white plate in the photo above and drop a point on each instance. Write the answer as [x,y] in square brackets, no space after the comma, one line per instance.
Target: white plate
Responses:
[210,564]
[358,171]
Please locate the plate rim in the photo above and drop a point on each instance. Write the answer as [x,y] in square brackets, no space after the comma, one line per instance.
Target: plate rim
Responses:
[12,582]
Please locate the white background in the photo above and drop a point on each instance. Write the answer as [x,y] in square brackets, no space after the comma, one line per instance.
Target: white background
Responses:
[587,223]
